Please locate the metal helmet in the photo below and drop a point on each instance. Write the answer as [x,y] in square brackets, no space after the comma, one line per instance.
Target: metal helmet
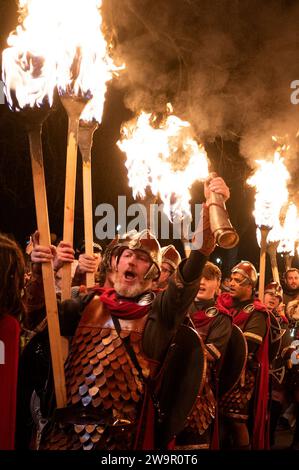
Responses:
[147,242]
[275,289]
[109,251]
[171,256]
[246,269]
[115,245]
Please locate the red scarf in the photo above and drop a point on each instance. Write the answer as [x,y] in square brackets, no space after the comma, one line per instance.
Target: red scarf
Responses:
[225,303]
[200,318]
[121,307]
[9,337]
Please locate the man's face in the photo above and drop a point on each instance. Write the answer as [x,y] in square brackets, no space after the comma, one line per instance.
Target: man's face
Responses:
[207,288]
[292,280]
[166,272]
[271,300]
[131,269]
[237,290]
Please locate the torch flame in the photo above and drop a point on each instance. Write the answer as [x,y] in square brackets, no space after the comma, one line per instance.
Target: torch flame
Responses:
[58,43]
[289,232]
[165,159]
[274,236]
[270,181]
[28,65]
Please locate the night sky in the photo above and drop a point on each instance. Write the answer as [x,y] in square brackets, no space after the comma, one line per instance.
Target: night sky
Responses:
[225,66]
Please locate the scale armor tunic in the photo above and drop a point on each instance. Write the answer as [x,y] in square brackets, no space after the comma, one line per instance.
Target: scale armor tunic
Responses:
[104,388]
[204,410]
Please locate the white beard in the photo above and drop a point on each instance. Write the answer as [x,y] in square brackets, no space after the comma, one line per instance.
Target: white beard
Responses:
[131,291]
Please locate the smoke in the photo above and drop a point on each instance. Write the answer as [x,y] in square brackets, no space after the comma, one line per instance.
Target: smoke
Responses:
[225,65]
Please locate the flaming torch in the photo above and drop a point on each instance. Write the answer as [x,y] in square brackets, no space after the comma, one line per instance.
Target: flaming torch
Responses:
[81,52]
[289,236]
[86,132]
[164,157]
[90,119]
[29,78]
[273,241]
[271,193]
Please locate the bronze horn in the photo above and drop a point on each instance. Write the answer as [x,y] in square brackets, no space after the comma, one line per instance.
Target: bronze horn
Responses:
[221,227]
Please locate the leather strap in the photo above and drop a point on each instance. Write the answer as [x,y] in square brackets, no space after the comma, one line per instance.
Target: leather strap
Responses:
[128,347]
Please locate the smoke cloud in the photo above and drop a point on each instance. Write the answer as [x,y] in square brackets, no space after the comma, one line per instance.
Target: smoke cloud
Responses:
[225,65]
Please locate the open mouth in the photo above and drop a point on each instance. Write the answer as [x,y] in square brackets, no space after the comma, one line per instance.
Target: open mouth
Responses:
[129,276]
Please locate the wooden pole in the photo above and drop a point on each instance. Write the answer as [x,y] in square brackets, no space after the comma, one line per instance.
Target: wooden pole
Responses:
[264,234]
[288,259]
[74,107]
[86,132]
[41,206]
[272,250]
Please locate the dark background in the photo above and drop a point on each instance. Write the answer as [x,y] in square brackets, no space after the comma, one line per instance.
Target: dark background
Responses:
[17,212]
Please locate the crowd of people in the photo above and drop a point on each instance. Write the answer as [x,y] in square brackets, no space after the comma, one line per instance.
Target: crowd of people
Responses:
[162,353]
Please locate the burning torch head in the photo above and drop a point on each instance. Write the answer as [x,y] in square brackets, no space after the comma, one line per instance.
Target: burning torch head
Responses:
[275,289]
[147,242]
[248,271]
[171,256]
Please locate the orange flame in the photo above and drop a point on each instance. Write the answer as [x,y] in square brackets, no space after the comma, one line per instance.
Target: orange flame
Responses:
[164,158]
[289,231]
[270,181]
[58,43]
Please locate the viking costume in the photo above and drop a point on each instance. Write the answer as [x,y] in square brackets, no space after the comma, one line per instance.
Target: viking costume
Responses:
[116,352]
[214,327]
[251,316]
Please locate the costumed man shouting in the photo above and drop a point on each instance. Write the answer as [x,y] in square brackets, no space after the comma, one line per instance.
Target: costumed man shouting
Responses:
[245,407]
[119,343]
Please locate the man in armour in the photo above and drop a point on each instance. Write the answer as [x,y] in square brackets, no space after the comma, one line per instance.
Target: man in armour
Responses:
[239,406]
[214,327]
[119,342]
